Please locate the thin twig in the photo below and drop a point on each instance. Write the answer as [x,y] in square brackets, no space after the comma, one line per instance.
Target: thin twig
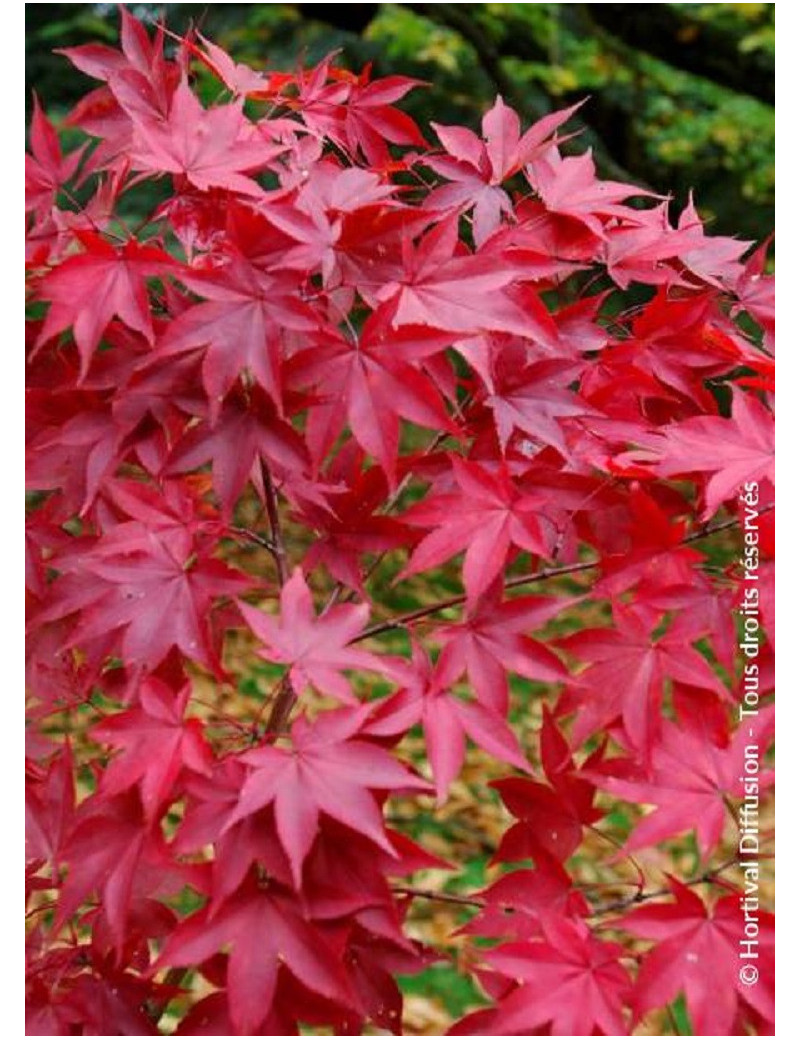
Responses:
[413,616]
[286,697]
[278,548]
[154,1009]
[709,877]
[285,700]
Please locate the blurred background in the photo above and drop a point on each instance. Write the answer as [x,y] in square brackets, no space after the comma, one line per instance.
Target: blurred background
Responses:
[681,96]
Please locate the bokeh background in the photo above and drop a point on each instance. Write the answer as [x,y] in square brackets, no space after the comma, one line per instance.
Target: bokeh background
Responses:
[681,96]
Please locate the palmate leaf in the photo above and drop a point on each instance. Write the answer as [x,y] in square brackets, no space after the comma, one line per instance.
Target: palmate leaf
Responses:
[696,952]
[317,649]
[329,770]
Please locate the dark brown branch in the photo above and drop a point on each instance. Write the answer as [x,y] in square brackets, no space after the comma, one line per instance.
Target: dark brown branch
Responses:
[527,579]
[440,897]
[154,1009]
[465,24]
[278,548]
[285,700]
[708,877]
[615,906]
[518,41]
[700,47]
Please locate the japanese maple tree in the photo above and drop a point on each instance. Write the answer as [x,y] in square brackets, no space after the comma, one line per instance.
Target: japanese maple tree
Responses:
[455,447]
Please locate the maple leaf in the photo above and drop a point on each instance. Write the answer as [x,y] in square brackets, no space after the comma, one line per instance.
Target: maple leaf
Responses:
[328,770]
[369,382]
[755,291]
[446,720]
[551,819]
[626,676]
[237,77]
[570,186]
[86,291]
[731,451]
[476,168]
[46,168]
[316,649]
[158,587]
[653,553]
[371,119]
[688,780]
[49,808]
[247,431]
[492,640]
[712,258]
[109,850]
[516,903]
[349,523]
[647,250]
[210,802]
[212,148]
[533,398]
[368,120]
[264,929]
[238,327]
[447,290]
[485,516]
[570,981]
[157,742]
[677,341]
[697,952]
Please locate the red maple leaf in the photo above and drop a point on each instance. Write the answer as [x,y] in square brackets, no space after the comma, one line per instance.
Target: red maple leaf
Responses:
[688,781]
[445,288]
[551,818]
[237,327]
[697,952]
[46,168]
[492,639]
[486,516]
[157,587]
[570,981]
[570,187]
[212,148]
[732,452]
[626,676]
[476,168]
[264,928]
[369,383]
[446,719]
[157,745]
[348,522]
[88,290]
[328,770]
[316,649]
[246,432]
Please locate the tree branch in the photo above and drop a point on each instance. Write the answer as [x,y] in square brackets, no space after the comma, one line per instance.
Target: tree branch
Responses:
[412,616]
[277,547]
[708,877]
[699,47]
[285,698]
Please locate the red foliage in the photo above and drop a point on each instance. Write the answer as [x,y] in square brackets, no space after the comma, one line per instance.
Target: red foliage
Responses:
[318,287]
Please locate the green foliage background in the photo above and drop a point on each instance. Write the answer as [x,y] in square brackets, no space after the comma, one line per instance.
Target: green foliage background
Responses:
[680,96]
